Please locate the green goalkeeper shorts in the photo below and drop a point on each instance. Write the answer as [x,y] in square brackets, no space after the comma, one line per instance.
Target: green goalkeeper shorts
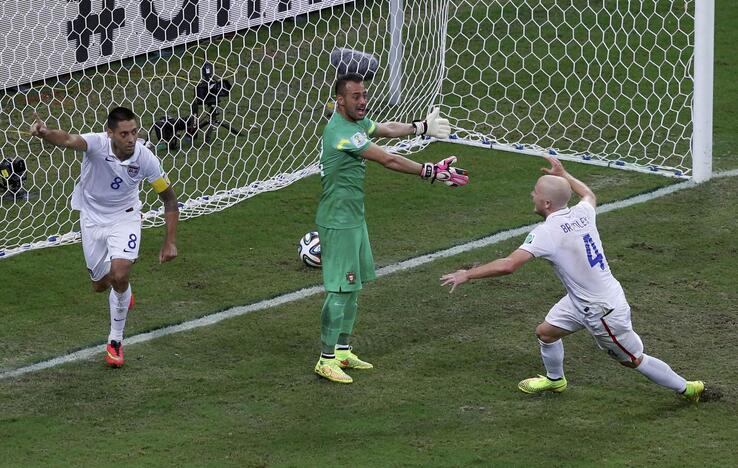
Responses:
[346,257]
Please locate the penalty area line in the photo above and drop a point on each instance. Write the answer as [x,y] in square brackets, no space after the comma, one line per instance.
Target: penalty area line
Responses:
[314,290]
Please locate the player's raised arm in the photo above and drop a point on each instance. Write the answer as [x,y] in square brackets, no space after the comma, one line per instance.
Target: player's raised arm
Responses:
[579,187]
[57,137]
[434,125]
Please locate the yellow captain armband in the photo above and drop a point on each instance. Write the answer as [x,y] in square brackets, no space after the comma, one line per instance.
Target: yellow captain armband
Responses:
[160,184]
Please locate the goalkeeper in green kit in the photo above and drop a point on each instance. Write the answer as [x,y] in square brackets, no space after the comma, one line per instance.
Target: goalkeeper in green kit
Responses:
[346,255]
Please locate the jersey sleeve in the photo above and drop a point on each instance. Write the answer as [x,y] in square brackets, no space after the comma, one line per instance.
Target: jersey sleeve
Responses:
[589,209]
[96,144]
[539,243]
[155,174]
[369,125]
[351,141]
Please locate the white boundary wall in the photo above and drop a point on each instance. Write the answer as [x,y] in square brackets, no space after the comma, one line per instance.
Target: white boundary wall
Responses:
[41,39]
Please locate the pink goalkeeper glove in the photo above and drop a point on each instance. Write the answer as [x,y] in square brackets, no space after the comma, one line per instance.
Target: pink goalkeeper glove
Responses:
[445,172]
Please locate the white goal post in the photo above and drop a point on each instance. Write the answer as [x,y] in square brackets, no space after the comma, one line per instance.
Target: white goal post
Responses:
[617,83]
[234,93]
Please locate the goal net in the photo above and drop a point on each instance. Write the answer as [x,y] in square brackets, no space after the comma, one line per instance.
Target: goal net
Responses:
[234,94]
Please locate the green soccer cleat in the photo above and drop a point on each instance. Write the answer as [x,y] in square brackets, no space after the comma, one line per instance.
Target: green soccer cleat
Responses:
[348,360]
[694,390]
[331,370]
[542,384]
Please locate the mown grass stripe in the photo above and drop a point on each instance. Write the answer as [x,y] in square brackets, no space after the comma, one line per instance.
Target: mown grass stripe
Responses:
[313,290]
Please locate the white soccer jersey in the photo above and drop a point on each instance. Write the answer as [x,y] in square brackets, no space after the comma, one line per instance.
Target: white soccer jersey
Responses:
[570,241]
[108,189]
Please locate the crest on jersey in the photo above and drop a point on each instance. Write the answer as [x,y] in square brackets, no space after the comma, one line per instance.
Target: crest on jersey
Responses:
[358,139]
[133,171]
[351,277]
[529,239]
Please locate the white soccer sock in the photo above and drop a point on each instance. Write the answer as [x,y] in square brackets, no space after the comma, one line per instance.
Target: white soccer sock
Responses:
[118,312]
[659,372]
[553,358]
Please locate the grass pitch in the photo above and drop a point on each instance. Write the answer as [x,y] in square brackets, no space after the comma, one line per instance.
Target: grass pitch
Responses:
[242,392]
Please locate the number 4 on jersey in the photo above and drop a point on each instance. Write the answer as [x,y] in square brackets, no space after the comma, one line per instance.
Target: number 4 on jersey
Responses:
[594,255]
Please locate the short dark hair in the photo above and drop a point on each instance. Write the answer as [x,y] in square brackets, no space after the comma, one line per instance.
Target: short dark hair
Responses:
[343,79]
[119,114]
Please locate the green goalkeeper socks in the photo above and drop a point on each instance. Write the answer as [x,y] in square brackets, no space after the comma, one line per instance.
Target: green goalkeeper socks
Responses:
[337,319]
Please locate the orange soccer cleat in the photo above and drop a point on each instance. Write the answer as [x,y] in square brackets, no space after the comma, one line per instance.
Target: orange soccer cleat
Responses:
[114,353]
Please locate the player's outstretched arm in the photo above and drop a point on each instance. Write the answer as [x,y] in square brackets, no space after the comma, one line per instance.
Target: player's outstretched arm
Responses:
[434,125]
[171,218]
[446,172]
[579,187]
[499,267]
[443,171]
[57,137]
[390,161]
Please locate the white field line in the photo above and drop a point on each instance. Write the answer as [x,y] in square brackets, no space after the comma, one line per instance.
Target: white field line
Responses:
[311,291]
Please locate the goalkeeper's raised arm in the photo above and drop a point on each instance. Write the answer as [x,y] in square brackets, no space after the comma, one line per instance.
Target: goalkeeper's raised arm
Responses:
[434,125]
[350,129]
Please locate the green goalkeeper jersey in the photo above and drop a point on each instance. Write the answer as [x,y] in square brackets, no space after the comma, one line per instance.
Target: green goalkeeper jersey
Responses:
[342,172]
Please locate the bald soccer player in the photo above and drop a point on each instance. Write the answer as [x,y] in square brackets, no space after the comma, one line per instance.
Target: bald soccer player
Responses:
[595,301]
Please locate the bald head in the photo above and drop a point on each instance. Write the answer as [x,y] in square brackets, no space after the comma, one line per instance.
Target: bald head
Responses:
[554,189]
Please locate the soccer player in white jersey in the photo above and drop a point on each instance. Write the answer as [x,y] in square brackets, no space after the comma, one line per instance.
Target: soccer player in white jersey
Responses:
[595,301]
[114,163]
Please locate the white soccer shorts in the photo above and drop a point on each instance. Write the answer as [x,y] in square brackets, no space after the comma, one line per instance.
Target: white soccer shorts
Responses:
[610,327]
[102,243]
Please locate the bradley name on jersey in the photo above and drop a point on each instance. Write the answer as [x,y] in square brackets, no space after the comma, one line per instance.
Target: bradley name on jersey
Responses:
[575,225]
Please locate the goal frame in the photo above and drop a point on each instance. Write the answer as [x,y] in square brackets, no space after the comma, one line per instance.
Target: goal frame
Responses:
[701,105]
[403,90]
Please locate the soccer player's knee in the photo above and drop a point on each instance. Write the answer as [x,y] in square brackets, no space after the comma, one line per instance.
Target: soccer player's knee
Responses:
[100,286]
[338,300]
[119,280]
[629,349]
[630,364]
[543,335]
